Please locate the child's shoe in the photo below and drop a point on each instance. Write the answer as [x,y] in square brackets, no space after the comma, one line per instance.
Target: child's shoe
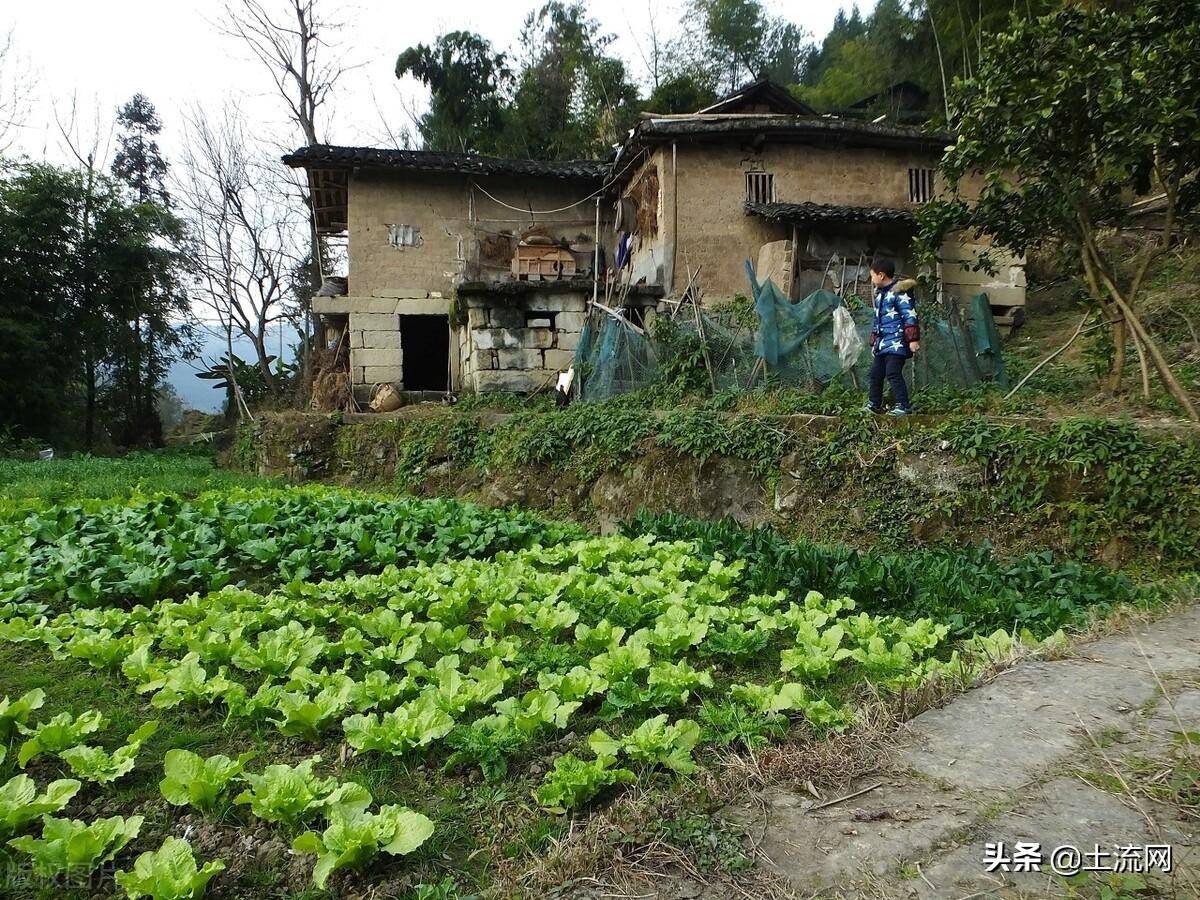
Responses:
[901,411]
[868,408]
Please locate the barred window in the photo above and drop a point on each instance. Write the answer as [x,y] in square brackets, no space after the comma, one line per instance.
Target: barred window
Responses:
[760,187]
[920,185]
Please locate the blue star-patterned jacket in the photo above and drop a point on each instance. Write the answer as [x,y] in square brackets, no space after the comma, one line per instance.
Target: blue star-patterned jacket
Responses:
[895,319]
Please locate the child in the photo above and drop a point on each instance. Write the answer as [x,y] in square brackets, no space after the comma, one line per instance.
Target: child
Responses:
[894,338]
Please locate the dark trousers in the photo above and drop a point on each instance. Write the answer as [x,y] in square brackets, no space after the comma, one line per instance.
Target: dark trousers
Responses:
[891,367]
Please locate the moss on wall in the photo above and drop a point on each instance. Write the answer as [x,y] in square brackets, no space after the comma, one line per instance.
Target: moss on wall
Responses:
[1092,488]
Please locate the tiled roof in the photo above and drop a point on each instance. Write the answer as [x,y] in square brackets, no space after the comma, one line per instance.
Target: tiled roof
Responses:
[816,129]
[762,92]
[326,156]
[826,214]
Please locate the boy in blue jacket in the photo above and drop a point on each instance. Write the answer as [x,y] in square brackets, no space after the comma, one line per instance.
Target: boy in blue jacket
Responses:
[895,337]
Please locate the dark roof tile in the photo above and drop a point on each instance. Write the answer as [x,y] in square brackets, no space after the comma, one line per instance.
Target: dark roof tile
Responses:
[326,156]
[826,214]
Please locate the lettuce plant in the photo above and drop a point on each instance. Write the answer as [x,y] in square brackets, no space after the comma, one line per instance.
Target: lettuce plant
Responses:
[20,803]
[57,734]
[15,714]
[574,781]
[100,648]
[535,709]
[73,848]
[414,724]
[291,794]
[816,653]
[279,651]
[168,873]
[353,838]
[97,764]
[307,717]
[192,780]
[653,742]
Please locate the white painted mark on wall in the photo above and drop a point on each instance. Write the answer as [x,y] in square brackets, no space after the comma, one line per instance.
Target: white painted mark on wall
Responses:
[400,236]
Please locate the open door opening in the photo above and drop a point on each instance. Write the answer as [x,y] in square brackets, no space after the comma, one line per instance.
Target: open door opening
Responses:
[426,344]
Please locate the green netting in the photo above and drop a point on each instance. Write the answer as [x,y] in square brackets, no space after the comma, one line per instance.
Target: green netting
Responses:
[792,344]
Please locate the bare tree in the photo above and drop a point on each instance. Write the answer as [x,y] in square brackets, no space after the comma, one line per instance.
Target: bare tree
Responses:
[16,91]
[292,41]
[246,242]
[297,46]
[89,144]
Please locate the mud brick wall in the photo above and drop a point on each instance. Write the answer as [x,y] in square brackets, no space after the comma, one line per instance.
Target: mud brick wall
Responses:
[717,234]
[505,346]
[452,220]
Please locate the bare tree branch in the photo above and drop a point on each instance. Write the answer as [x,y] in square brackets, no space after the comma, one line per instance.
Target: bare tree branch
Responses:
[247,244]
[16,91]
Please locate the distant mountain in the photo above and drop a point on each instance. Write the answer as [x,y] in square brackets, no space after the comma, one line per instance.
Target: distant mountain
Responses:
[199,394]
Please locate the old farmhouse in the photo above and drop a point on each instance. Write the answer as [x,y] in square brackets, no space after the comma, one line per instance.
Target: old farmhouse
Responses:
[473,273]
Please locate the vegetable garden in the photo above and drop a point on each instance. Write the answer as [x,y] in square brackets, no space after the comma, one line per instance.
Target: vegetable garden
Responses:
[403,694]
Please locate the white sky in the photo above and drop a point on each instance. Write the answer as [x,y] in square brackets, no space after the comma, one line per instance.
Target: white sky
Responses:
[171,50]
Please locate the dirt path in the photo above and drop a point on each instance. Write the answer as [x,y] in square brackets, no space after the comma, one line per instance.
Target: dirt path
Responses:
[1064,752]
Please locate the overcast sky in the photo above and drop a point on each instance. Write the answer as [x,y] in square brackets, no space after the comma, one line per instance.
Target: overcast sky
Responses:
[172,50]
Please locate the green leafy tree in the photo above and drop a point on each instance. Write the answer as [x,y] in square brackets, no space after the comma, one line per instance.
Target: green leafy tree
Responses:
[466,81]
[1068,116]
[572,99]
[683,92]
[145,291]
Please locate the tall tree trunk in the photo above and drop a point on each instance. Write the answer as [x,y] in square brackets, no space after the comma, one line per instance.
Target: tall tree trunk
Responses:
[1112,382]
[1117,371]
[89,416]
[260,349]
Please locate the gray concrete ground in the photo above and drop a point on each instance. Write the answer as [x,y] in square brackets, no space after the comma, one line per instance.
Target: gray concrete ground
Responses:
[1077,751]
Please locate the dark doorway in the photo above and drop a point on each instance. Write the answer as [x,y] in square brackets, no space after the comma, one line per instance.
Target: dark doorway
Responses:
[425,341]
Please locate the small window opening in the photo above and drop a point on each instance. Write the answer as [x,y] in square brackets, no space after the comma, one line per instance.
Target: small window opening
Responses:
[404,236]
[760,187]
[920,185]
[536,318]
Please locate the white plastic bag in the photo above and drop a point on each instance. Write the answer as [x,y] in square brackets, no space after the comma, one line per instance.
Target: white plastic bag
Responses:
[846,341]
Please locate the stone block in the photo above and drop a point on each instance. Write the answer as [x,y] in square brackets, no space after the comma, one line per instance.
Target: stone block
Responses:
[537,338]
[559,360]
[356,339]
[379,340]
[434,306]
[566,302]
[570,321]
[374,322]
[377,357]
[567,340]
[520,359]
[508,380]
[495,338]
[775,262]
[356,375]
[401,294]
[383,375]
[506,317]
[477,318]
[484,359]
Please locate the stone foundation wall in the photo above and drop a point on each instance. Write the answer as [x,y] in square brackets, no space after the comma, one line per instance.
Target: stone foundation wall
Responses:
[519,343]
[373,326]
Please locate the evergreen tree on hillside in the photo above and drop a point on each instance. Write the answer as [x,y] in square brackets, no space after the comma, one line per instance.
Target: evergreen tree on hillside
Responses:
[138,161]
[75,252]
[150,304]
